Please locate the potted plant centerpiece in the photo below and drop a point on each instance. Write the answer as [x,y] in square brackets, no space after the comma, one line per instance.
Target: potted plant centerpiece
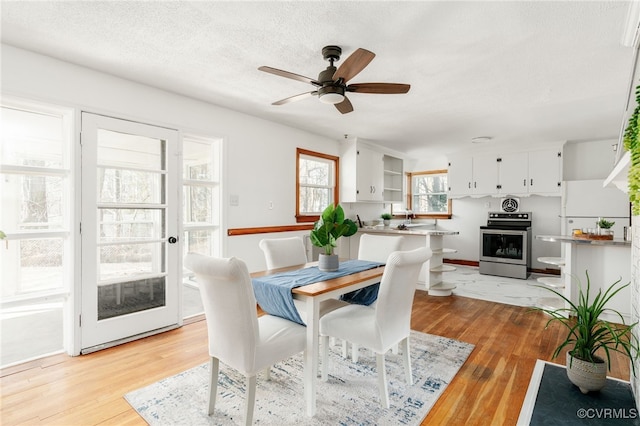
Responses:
[591,339]
[386,218]
[325,233]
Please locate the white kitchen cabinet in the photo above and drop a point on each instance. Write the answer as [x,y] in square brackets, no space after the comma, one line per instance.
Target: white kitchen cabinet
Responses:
[475,176]
[534,172]
[545,172]
[393,179]
[460,176]
[361,173]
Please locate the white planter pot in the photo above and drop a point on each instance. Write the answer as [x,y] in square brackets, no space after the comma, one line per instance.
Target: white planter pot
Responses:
[587,376]
[328,262]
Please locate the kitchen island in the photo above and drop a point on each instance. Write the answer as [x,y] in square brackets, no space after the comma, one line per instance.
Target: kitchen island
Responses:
[430,278]
[606,261]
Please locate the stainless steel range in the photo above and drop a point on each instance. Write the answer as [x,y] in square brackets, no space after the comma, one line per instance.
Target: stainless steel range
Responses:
[505,245]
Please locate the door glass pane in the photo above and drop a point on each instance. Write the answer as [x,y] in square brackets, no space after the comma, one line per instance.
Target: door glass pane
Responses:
[128,260]
[131,151]
[129,186]
[131,296]
[118,225]
[132,240]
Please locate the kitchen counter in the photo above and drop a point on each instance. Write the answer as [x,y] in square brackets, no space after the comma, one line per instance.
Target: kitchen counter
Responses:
[430,278]
[418,230]
[606,261]
[574,240]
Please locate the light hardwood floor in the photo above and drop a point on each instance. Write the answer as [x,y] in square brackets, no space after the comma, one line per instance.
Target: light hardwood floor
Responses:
[488,390]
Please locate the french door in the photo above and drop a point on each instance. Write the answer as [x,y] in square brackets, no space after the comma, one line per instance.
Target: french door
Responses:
[129,230]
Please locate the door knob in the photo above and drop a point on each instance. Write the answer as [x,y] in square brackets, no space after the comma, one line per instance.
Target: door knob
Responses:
[172,240]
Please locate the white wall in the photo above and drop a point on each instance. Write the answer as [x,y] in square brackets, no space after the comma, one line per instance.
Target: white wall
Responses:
[588,160]
[259,155]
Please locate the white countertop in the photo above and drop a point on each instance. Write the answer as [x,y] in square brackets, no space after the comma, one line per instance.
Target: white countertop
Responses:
[570,239]
[421,230]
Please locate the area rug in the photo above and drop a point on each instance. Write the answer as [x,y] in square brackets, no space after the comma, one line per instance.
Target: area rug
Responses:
[349,397]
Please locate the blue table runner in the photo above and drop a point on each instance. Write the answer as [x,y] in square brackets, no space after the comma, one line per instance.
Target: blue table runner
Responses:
[273,292]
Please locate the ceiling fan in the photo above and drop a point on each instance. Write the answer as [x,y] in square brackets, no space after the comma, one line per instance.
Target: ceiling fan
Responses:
[331,84]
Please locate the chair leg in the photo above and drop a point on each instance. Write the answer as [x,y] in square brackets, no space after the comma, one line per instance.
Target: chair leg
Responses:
[251,400]
[406,358]
[394,349]
[354,352]
[345,346]
[382,381]
[267,373]
[214,365]
[325,358]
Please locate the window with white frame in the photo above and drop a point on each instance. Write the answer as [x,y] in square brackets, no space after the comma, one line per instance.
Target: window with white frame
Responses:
[201,194]
[35,183]
[428,194]
[316,187]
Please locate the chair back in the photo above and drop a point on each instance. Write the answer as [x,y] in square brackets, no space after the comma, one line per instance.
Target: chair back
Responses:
[377,248]
[229,307]
[283,252]
[395,297]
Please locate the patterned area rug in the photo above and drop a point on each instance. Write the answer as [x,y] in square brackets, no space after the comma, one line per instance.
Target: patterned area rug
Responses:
[349,397]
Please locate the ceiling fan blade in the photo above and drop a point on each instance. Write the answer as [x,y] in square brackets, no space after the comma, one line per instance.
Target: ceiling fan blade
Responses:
[345,106]
[294,98]
[383,88]
[354,64]
[290,75]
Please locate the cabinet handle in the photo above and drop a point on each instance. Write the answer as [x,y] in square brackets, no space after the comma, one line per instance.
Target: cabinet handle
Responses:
[469,185]
[531,182]
[524,182]
[474,184]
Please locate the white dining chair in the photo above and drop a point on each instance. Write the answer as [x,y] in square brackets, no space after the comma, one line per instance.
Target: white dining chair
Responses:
[237,337]
[283,252]
[375,248]
[385,324]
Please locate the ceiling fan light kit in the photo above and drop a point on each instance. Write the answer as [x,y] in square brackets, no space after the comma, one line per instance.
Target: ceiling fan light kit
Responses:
[331,85]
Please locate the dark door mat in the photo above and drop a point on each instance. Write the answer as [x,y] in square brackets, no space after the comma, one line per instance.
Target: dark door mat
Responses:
[560,402]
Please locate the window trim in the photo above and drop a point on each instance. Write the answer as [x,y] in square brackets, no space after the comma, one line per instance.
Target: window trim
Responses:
[410,196]
[304,218]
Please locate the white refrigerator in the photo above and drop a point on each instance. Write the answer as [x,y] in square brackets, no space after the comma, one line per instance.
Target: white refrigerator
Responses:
[584,201]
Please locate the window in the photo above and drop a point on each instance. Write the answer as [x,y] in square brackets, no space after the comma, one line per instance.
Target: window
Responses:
[428,194]
[316,184]
[201,209]
[35,170]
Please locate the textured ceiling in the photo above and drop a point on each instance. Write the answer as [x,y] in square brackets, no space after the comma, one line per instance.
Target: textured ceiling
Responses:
[520,72]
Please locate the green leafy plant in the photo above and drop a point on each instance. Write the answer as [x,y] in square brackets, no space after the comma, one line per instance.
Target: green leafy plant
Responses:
[2,235]
[587,334]
[386,216]
[331,226]
[605,224]
[631,142]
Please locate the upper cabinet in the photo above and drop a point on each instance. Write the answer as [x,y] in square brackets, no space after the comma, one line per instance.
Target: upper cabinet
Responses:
[475,176]
[361,173]
[534,172]
[517,173]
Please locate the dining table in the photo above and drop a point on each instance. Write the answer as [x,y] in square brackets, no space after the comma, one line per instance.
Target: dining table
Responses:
[312,295]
